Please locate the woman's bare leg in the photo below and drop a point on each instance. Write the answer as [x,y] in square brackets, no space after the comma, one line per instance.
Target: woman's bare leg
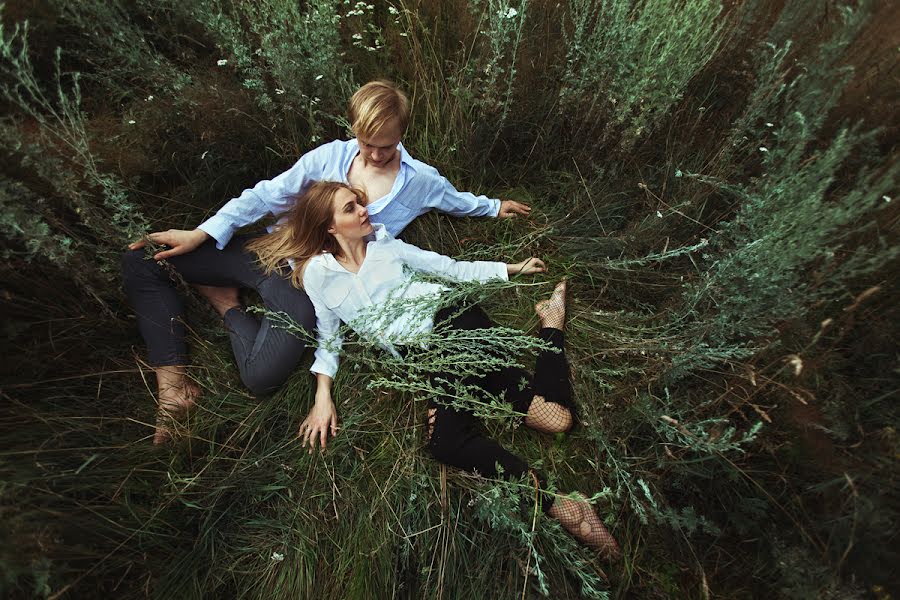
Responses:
[577,516]
[177,395]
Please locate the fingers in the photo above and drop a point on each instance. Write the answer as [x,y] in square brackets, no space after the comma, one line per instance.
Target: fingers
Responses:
[137,245]
[309,433]
[168,253]
[539,265]
[522,209]
[303,433]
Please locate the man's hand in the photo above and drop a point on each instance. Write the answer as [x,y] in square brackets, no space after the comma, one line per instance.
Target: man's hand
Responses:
[529,266]
[179,241]
[321,419]
[511,208]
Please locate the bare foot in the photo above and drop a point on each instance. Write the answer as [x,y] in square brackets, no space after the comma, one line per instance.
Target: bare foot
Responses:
[577,516]
[177,395]
[552,312]
[222,299]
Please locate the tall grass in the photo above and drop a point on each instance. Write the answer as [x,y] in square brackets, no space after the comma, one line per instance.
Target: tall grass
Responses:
[730,247]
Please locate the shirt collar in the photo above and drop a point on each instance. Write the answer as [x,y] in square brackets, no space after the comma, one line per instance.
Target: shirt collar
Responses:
[405,158]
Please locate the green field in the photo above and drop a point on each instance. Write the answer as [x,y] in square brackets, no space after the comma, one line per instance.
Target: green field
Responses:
[717,179]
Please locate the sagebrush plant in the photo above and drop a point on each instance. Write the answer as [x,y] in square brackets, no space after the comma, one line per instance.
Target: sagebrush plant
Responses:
[729,245]
[628,63]
[288,56]
[56,152]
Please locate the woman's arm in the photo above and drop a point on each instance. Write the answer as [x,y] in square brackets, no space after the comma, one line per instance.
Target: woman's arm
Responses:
[322,417]
[438,264]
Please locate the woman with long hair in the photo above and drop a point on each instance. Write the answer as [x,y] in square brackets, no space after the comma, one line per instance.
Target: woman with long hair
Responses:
[351,268]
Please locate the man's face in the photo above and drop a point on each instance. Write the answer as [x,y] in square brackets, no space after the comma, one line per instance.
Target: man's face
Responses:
[380,150]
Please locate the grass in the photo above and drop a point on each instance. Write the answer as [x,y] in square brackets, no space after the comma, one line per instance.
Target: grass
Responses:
[740,441]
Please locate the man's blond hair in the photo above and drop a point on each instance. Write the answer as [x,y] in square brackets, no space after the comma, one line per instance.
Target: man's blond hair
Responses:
[375,105]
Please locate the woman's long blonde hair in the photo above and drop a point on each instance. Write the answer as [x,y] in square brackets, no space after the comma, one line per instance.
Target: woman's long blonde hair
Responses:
[304,233]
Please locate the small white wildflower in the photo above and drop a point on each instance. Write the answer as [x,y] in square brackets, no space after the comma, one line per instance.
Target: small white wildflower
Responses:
[205,152]
[763,149]
[886,198]
[149,99]
[770,124]
[318,77]
[277,556]
[131,121]
[659,214]
[393,10]
[279,91]
[356,36]
[222,62]
[404,34]
[796,362]
[511,13]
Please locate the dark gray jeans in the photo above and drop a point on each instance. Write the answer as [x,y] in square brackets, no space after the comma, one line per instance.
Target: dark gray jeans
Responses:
[266,355]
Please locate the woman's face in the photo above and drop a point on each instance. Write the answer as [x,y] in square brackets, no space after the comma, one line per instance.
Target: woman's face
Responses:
[351,219]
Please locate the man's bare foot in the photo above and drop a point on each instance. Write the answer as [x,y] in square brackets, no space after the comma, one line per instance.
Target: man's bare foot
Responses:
[577,516]
[552,312]
[177,395]
[222,299]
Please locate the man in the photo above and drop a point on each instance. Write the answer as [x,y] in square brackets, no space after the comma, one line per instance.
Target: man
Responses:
[400,188]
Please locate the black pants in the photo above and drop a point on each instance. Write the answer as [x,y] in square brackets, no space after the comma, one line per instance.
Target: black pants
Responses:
[458,438]
[266,355]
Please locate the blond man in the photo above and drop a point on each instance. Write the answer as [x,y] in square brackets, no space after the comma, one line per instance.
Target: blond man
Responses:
[212,258]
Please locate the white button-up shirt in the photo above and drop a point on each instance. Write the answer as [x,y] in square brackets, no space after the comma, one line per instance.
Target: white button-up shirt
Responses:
[418,189]
[384,302]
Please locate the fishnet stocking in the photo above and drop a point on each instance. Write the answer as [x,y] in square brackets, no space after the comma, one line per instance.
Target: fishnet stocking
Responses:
[429,424]
[552,311]
[548,417]
[577,516]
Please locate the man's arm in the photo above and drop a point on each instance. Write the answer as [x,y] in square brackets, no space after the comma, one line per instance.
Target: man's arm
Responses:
[271,196]
[466,204]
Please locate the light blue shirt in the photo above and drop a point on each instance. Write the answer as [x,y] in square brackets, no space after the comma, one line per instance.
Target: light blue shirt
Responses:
[417,189]
[383,302]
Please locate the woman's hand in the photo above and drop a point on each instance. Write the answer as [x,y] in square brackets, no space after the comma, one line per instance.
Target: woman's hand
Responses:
[526,267]
[321,419]
[179,241]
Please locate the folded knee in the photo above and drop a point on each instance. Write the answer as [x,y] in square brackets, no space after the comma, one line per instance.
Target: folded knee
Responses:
[261,385]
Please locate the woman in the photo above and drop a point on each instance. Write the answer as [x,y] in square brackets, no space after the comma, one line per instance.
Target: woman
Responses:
[350,268]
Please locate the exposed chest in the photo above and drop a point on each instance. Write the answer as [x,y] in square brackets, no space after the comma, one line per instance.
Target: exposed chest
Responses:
[376,183]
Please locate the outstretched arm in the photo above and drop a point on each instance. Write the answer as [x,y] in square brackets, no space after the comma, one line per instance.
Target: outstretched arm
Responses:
[271,196]
[461,270]
[322,417]
[466,204]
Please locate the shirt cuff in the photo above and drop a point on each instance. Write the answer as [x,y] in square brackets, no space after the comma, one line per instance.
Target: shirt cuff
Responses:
[326,365]
[495,212]
[218,228]
[504,274]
